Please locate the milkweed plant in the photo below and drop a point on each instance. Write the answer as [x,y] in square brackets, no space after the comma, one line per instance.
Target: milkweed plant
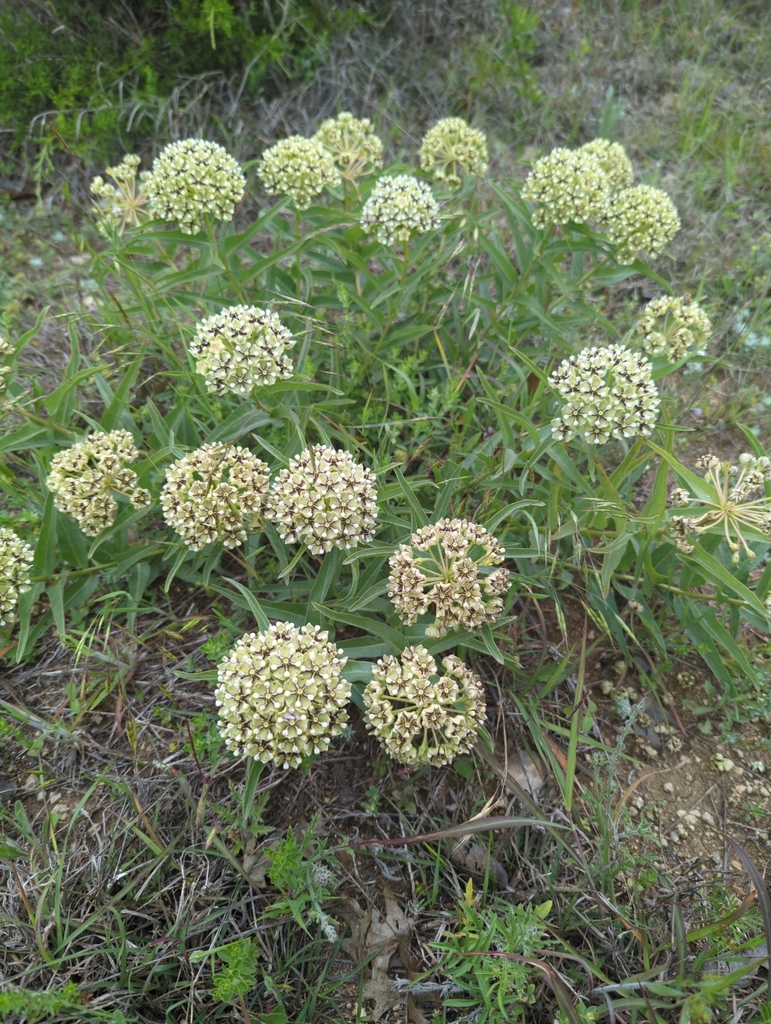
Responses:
[379,411]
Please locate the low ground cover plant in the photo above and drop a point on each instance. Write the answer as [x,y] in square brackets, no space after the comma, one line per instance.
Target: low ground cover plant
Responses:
[380,423]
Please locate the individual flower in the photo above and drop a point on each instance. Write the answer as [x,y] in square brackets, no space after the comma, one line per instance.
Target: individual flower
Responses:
[241,347]
[739,501]
[609,393]
[15,562]
[299,168]
[450,565]
[192,178]
[398,208]
[83,479]
[325,500]
[281,696]
[570,186]
[640,219]
[614,161]
[122,203]
[352,144]
[216,493]
[672,327]
[419,716]
[451,148]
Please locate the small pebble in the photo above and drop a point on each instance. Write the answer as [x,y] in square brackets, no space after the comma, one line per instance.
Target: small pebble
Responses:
[668,787]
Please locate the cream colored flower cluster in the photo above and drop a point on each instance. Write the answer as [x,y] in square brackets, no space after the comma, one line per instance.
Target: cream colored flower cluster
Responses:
[84,477]
[120,204]
[215,494]
[614,162]
[299,168]
[419,718]
[324,499]
[673,326]
[281,695]
[640,219]
[569,185]
[609,393]
[451,149]
[241,347]
[740,502]
[193,178]
[352,144]
[398,208]
[6,348]
[449,565]
[15,562]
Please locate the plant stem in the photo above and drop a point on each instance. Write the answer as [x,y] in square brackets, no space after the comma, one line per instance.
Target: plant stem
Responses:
[297,254]
[224,263]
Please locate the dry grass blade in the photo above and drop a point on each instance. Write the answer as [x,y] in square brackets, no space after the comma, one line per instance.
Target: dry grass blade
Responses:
[760,888]
[466,828]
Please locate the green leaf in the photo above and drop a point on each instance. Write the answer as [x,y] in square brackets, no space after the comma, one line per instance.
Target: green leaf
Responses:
[720,577]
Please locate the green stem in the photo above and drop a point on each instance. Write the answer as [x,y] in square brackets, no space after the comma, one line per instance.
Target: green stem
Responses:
[694,594]
[223,261]
[593,270]
[87,571]
[402,281]
[39,419]
[297,254]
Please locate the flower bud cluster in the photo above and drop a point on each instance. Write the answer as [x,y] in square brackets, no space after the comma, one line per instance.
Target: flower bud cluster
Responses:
[451,149]
[192,178]
[614,162]
[15,562]
[281,696]
[299,168]
[241,347]
[122,203]
[740,502]
[640,219]
[673,326]
[214,494]
[84,477]
[419,718]
[352,144]
[6,348]
[324,499]
[570,186]
[449,565]
[398,208]
[609,393]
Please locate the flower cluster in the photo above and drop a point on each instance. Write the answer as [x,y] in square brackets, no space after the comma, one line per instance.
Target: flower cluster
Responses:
[352,143]
[419,718]
[281,696]
[451,148]
[609,393]
[193,178]
[740,501]
[324,499]
[398,208]
[450,565]
[122,203]
[15,562]
[6,348]
[614,162]
[241,347]
[640,218]
[570,185]
[673,326]
[214,494]
[299,168]
[84,477]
